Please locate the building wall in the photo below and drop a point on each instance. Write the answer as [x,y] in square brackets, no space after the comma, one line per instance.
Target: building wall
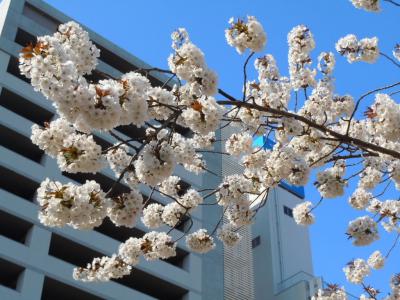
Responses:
[283,256]
[238,260]
[274,260]
[36,262]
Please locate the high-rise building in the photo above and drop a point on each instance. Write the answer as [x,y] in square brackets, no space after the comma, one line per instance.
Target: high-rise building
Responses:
[273,260]
[36,262]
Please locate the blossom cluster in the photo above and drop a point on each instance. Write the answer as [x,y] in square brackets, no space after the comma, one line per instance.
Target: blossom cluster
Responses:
[75,152]
[153,245]
[229,235]
[85,206]
[188,63]
[301,43]
[302,213]
[356,271]
[103,269]
[246,35]
[368,5]
[363,231]
[332,292]
[200,241]
[358,50]
[389,211]
[82,207]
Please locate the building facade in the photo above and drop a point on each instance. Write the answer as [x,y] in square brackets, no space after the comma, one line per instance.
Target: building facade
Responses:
[36,262]
[273,260]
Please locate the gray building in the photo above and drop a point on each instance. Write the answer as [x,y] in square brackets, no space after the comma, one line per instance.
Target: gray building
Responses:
[36,262]
[273,260]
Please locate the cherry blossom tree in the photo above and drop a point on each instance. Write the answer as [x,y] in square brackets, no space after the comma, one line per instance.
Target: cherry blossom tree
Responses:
[314,129]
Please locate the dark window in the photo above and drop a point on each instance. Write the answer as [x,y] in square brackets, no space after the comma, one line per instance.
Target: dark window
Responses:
[95,76]
[105,182]
[20,144]
[135,133]
[24,107]
[121,64]
[13,69]
[80,255]
[255,242]
[103,143]
[53,289]
[17,184]
[123,233]
[24,38]
[9,273]
[152,285]
[184,186]
[183,131]
[70,251]
[288,211]
[40,17]
[13,227]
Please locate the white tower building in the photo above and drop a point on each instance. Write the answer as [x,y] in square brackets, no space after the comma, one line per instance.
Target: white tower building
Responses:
[277,264]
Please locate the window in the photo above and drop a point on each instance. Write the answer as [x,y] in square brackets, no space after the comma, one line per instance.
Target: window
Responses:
[9,274]
[20,144]
[24,38]
[53,289]
[123,233]
[24,107]
[72,252]
[40,17]
[13,227]
[103,143]
[152,285]
[13,69]
[288,211]
[17,184]
[79,255]
[105,182]
[255,242]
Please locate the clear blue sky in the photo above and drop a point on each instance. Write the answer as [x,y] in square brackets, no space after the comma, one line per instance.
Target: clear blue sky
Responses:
[144,27]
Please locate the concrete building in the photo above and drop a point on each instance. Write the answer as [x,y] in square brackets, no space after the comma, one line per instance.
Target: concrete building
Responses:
[277,264]
[36,262]
[273,261]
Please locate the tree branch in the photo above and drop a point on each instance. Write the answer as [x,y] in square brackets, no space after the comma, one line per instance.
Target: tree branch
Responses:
[341,137]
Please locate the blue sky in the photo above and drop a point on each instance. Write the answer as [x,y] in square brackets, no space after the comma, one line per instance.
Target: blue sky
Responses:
[144,27]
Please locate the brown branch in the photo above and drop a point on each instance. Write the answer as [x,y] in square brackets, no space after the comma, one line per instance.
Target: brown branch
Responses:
[341,137]
[334,158]
[392,2]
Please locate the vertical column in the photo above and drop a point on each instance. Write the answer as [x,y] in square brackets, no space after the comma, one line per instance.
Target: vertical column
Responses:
[31,281]
[10,12]
[192,296]
[30,285]
[212,263]
[4,59]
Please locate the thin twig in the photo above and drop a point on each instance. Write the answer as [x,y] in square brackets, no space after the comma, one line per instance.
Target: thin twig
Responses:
[393,246]
[392,2]
[362,97]
[390,59]
[245,75]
